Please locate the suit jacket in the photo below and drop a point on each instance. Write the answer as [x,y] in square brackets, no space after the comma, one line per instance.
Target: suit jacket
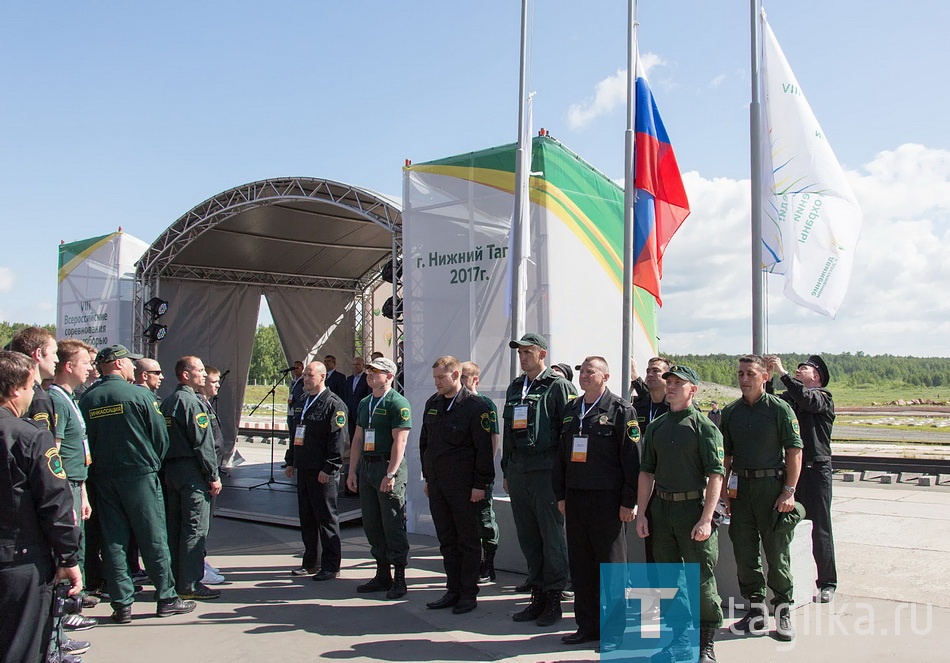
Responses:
[336,382]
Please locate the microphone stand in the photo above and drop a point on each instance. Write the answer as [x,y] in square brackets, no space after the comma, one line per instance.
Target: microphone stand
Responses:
[273,434]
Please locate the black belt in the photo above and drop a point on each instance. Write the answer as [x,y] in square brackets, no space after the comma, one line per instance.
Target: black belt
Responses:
[375,459]
[680,497]
[759,474]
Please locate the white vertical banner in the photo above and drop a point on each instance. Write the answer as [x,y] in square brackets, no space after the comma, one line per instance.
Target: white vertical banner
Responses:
[811,220]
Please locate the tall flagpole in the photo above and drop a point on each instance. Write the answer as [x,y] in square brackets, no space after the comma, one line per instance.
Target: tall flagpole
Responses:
[517,219]
[629,197]
[758,303]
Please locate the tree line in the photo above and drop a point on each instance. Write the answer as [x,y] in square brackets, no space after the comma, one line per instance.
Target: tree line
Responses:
[852,369]
[10,329]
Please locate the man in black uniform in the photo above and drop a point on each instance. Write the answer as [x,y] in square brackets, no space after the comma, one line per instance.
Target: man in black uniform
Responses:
[315,456]
[36,523]
[40,346]
[533,415]
[295,393]
[595,483]
[191,479]
[815,410]
[457,466]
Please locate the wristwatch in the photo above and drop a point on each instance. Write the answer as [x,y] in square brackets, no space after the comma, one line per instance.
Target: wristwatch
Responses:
[392,475]
[790,490]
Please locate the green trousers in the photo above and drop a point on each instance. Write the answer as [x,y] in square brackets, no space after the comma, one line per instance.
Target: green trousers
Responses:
[673,524]
[540,528]
[127,505]
[487,526]
[752,524]
[384,514]
[188,511]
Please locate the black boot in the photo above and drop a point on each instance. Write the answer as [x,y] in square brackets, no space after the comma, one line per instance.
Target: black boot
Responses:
[382,581]
[706,653]
[552,608]
[534,609]
[487,572]
[399,589]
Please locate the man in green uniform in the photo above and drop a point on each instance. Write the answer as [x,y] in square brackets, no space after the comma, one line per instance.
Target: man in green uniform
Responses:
[69,428]
[763,460]
[595,483]
[128,438]
[487,526]
[383,421]
[455,445]
[682,463]
[534,411]
[191,479]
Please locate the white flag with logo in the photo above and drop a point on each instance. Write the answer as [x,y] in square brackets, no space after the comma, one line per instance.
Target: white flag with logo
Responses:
[811,219]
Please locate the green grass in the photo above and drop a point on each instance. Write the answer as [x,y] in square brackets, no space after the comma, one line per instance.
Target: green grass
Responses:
[254,393]
[865,395]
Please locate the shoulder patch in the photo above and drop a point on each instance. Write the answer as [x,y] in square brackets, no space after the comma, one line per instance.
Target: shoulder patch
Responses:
[795,426]
[42,418]
[55,463]
[202,420]
[404,414]
[633,430]
[493,417]
[485,420]
[568,419]
[340,418]
[158,408]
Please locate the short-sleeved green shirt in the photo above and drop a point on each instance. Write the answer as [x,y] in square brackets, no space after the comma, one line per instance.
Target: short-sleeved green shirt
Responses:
[382,416]
[680,449]
[71,429]
[492,415]
[757,435]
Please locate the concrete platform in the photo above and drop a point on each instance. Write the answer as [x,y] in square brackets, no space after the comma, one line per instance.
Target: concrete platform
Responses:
[892,544]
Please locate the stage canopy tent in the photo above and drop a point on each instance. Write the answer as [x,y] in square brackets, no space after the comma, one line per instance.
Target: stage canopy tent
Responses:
[314,248]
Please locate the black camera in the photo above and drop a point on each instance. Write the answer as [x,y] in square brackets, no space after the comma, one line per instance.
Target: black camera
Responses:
[63,603]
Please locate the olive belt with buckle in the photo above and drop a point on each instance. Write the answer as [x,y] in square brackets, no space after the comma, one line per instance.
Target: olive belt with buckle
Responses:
[680,497]
[759,474]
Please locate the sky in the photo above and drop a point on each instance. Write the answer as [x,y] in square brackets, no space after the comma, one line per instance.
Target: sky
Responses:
[130,114]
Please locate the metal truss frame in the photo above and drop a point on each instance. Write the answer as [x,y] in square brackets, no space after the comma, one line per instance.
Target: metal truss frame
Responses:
[159,260]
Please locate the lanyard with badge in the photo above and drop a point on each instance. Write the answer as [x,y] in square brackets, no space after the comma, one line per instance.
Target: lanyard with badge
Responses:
[369,435]
[579,448]
[520,419]
[302,427]
[82,423]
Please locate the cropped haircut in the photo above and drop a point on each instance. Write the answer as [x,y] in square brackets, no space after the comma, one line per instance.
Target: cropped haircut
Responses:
[16,370]
[449,363]
[657,360]
[186,363]
[471,369]
[29,340]
[600,360]
[67,351]
[754,359]
[212,370]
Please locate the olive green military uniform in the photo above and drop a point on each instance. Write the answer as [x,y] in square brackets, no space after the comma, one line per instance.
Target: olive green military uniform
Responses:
[487,526]
[528,461]
[128,438]
[74,450]
[191,464]
[384,514]
[681,449]
[756,437]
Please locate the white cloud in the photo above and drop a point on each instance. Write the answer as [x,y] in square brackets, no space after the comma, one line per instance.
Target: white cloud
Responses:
[7,278]
[609,93]
[717,81]
[897,303]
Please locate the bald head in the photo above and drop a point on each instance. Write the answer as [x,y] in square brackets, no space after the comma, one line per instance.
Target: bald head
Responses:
[314,377]
[148,373]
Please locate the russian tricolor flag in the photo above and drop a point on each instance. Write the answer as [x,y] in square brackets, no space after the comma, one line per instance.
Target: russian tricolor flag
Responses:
[661,204]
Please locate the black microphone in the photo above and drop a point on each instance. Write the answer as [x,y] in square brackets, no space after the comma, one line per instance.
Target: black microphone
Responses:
[225,374]
[287,370]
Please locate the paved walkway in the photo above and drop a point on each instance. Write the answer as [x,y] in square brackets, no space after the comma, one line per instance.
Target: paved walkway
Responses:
[893,544]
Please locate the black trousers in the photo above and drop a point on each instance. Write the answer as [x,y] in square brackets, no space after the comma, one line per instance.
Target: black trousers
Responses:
[595,536]
[319,520]
[456,524]
[25,622]
[814,493]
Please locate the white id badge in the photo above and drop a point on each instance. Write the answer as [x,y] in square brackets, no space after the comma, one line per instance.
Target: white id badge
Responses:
[298,435]
[520,420]
[732,486]
[579,450]
[369,440]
